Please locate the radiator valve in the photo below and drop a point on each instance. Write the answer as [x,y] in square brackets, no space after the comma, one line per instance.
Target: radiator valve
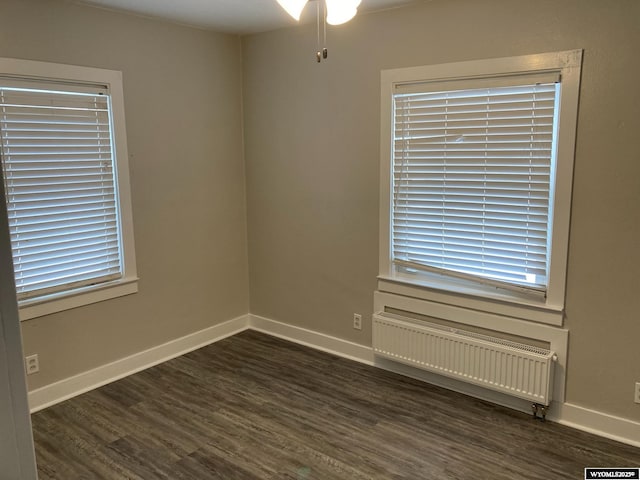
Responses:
[539,411]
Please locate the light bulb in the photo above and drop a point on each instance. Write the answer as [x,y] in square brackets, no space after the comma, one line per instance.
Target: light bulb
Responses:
[293,7]
[341,11]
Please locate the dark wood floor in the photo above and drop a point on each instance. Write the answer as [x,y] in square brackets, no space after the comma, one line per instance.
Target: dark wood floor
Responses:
[256,407]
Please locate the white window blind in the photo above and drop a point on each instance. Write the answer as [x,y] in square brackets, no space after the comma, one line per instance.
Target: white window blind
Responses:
[60,185]
[473,168]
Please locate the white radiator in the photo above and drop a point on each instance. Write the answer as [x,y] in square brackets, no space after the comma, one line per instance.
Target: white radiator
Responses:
[514,368]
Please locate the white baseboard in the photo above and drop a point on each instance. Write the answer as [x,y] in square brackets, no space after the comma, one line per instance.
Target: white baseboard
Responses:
[599,423]
[312,339]
[70,387]
[592,421]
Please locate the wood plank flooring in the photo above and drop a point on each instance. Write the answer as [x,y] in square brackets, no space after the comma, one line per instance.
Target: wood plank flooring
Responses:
[256,407]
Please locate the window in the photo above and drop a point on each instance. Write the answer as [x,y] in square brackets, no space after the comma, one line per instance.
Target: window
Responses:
[477,167]
[64,164]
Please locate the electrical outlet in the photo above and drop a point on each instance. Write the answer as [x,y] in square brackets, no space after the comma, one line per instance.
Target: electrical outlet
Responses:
[357,321]
[636,398]
[32,364]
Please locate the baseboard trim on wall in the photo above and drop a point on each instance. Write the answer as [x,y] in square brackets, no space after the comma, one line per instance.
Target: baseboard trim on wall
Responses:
[70,387]
[599,423]
[592,421]
[312,339]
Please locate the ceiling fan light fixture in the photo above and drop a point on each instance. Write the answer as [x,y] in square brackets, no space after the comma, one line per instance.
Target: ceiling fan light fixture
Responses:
[341,11]
[293,7]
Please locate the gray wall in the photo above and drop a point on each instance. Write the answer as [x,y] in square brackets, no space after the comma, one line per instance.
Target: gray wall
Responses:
[312,160]
[182,91]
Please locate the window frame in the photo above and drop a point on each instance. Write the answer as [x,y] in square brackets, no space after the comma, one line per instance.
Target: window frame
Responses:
[465,293]
[128,283]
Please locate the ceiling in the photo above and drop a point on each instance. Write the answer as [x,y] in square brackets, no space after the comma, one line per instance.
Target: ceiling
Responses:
[230,16]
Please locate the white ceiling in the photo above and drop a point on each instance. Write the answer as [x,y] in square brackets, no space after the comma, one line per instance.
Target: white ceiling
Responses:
[231,16]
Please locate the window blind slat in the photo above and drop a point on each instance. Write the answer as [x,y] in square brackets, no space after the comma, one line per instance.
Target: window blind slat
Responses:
[492,249]
[462,227]
[46,248]
[77,209]
[457,260]
[52,232]
[62,262]
[91,276]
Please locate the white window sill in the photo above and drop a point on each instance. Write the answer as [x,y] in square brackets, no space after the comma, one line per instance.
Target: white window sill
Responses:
[59,302]
[463,294]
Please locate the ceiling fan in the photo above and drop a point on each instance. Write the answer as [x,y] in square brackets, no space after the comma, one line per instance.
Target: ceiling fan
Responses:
[335,12]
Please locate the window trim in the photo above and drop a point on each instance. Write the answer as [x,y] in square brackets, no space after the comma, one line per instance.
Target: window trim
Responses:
[112,79]
[467,293]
